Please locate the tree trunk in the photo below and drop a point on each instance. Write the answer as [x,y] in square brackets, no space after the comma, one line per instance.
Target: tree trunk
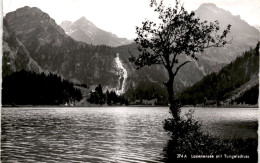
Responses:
[174,108]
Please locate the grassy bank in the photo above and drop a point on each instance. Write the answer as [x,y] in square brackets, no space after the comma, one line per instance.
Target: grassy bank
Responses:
[189,144]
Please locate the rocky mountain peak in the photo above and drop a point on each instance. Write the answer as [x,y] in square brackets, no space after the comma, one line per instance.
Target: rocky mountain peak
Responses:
[212,9]
[26,15]
[82,19]
[66,25]
[83,23]
[209,5]
[85,31]
[26,20]
[28,10]
[243,35]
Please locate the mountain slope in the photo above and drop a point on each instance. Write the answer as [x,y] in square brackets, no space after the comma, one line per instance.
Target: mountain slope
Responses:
[226,85]
[212,60]
[242,36]
[15,55]
[56,52]
[86,31]
[52,50]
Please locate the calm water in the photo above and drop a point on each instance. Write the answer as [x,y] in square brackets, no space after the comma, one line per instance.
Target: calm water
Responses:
[107,134]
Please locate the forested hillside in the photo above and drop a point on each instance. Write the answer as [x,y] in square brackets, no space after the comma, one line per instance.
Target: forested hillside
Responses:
[147,91]
[218,87]
[250,96]
[33,41]
[29,88]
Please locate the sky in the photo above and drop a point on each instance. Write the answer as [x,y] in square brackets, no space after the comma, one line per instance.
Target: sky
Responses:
[122,16]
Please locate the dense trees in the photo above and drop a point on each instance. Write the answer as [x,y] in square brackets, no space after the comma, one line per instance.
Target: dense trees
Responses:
[179,33]
[250,96]
[217,86]
[29,88]
[109,98]
[147,91]
[97,96]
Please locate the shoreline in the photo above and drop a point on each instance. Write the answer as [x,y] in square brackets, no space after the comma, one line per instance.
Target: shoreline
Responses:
[94,105]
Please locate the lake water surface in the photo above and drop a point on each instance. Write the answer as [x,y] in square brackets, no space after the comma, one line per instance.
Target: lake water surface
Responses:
[106,134]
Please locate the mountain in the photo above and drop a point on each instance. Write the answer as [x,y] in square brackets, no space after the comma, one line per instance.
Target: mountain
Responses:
[47,44]
[15,55]
[242,36]
[86,31]
[33,41]
[229,84]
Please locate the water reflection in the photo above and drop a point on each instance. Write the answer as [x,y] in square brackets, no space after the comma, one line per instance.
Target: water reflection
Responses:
[107,134]
[82,134]
[229,122]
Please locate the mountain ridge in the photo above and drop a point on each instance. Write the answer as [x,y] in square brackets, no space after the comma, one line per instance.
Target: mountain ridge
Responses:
[226,86]
[84,30]
[54,51]
[242,35]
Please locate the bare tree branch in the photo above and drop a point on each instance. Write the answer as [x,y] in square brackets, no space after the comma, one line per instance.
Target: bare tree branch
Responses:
[178,68]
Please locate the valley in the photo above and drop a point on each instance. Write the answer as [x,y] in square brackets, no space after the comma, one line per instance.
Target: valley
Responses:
[184,88]
[34,42]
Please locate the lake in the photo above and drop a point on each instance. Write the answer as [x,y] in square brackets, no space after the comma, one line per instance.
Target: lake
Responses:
[106,134]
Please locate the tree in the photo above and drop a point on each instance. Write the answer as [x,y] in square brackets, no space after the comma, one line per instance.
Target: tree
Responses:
[108,98]
[29,88]
[100,94]
[178,33]
[97,96]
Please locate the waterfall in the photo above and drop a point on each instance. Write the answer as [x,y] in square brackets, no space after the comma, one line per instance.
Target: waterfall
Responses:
[122,76]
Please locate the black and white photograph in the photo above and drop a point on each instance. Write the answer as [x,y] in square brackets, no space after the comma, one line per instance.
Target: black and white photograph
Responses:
[130,81]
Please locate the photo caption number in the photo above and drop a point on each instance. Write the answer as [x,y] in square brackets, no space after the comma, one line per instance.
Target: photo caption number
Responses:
[181,156]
